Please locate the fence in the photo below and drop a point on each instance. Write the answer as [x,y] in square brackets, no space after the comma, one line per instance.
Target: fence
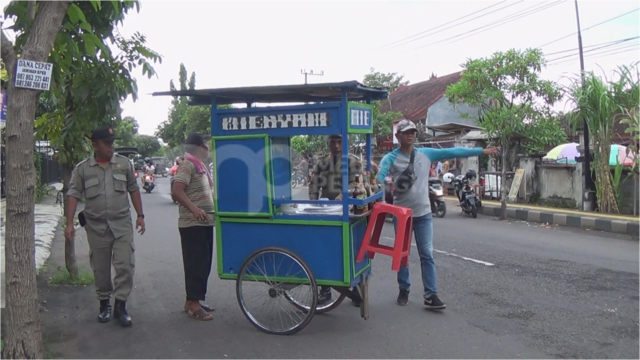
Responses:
[50,170]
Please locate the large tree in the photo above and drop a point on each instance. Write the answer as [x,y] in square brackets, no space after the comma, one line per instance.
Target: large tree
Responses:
[92,75]
[513,101]
[22,334]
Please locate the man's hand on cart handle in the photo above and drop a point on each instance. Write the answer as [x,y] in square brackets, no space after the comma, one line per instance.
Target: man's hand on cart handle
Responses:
[339,197]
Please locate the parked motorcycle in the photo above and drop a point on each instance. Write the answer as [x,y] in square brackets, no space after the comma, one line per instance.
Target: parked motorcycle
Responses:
[436,197]
[297,178]
[469,201]
[148,183]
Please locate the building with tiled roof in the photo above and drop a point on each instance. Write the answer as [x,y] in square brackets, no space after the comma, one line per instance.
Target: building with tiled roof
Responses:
[425,103]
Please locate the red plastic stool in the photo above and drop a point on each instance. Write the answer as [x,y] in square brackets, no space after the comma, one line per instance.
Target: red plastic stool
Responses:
[371,242]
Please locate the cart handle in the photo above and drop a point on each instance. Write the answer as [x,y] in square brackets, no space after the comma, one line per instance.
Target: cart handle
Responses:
[319,202]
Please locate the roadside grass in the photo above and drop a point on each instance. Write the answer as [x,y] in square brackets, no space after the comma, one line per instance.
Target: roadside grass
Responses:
[62,278]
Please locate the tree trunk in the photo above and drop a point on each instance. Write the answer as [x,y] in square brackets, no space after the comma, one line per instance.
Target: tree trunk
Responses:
[69,246]
[504,189]
[22,336]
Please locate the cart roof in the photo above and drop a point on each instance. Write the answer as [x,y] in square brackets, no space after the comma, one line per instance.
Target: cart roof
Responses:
[280,93]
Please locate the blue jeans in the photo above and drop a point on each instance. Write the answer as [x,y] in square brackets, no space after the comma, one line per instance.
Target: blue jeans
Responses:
[423,232]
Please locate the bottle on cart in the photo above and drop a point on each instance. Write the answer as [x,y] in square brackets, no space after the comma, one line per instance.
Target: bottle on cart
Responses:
[374,189]
[358,193]
[368,189]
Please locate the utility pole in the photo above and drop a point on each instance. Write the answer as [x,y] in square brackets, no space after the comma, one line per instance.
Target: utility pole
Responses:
[587,180]
[310,72]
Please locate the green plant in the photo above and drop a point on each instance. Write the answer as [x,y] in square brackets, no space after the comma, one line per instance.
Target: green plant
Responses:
[513,100]
[63,278]
[602,103]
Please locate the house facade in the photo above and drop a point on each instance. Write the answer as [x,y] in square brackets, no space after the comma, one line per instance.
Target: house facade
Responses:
[425,103]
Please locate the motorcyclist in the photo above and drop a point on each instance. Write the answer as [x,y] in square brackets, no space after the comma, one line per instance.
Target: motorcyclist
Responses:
[149,169]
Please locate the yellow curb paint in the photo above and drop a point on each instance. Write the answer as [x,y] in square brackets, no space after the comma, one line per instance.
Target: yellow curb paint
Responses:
[558,210]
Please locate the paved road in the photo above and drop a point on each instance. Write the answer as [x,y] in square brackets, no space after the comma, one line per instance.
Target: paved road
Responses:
[514,290]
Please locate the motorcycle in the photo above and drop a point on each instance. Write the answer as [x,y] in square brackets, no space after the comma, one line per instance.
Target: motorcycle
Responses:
[297,178]
[436,197]
[469,201]
[148,183]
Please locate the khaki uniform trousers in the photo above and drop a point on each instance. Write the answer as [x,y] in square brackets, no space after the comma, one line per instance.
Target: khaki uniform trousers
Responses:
[105,250]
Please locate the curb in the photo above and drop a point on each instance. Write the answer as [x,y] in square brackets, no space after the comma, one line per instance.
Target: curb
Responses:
[586,222]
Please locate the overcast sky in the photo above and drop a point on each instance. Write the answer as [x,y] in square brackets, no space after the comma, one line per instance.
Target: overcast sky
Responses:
[244,43]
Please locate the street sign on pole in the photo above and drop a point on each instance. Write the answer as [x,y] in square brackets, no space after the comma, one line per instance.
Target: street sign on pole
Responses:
[3,107]
[33,74]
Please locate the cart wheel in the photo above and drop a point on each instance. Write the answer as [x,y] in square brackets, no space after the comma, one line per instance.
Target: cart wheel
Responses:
[265,279]
[336,299]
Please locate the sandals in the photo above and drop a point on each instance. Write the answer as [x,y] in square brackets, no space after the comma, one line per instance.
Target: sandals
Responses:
[200,314]
[207,308]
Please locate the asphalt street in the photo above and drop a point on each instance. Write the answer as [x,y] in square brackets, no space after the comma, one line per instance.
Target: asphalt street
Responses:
[513,290]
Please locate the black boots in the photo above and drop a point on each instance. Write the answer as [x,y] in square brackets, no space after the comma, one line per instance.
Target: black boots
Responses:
[120,313]
[105,311]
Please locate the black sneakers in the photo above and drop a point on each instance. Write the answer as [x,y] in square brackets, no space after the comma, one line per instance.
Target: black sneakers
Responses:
[433,303]
[403,297]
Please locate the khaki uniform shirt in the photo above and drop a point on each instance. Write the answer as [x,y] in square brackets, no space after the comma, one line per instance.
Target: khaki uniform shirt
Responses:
[326,181]
[106,188]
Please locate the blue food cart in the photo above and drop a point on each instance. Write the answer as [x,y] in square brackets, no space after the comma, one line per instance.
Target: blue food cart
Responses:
[281,251]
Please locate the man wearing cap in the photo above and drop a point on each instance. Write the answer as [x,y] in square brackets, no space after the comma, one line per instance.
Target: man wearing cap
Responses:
[107,180]
[411,191]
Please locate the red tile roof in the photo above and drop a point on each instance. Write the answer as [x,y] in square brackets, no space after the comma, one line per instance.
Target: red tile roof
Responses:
[413,101]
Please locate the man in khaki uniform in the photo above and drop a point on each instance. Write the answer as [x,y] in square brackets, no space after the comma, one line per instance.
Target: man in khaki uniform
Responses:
[326,182]
[107,180]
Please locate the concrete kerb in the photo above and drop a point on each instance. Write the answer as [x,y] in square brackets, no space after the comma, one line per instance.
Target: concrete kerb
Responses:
[586,222]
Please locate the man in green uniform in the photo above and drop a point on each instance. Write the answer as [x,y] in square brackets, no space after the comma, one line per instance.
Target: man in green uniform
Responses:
[327,173]
[106,180]
[326,182]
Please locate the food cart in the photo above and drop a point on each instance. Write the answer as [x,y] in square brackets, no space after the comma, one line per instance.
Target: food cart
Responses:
[274,247]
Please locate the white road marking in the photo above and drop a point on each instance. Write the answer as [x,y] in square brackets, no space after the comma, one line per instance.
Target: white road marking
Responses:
[451,254]
[464,258]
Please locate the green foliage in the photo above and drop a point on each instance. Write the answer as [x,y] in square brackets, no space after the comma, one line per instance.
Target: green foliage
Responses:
[184,119]
[602,103]
[303,144]
[41,190]
[512,97]
[89,81]
[383,121]
[127,131]
[62,278]
[630,105]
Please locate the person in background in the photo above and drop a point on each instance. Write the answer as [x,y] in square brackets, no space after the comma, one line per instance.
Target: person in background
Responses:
[445,167]
[104,180]
[439,169]
[174,168]
[414,195]
[193,190]
[432,171]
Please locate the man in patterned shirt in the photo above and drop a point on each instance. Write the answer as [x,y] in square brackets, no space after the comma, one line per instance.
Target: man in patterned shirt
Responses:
[193,189]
